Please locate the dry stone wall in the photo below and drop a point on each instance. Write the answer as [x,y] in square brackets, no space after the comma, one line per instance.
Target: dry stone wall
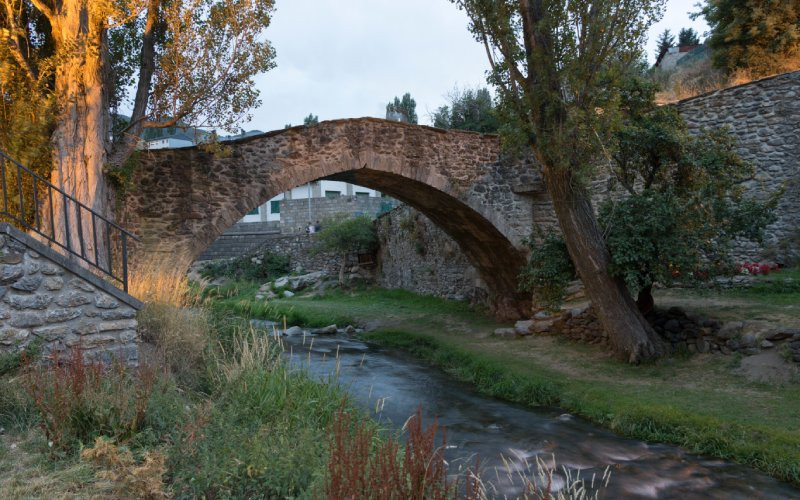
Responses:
[295,213]
[763,117]
[417,255]
[52,303]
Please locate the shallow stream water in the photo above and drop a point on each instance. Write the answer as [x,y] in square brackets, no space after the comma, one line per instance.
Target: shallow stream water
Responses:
[391,385]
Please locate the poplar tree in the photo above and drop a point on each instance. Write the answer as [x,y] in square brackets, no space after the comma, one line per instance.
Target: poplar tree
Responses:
[557,66]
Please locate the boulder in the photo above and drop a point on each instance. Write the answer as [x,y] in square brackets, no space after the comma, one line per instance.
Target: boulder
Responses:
[282,281]
[730,329]
[542,326]
[523,327]
[350,330]
[782,333]
[287,294]
[293,330]
[326,330]
[299,282]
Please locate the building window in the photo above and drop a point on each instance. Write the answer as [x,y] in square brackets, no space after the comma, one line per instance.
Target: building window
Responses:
[253,211]
[362,194]
[332,194]
[275,207]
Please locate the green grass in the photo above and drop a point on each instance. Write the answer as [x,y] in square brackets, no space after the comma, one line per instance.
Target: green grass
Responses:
[700,403]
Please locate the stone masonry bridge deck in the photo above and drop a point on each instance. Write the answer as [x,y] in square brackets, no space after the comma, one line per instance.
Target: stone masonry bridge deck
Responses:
[183,199]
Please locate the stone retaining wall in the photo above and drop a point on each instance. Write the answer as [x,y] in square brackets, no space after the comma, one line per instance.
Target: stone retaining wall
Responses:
[416,255]
[295,213]
[300,250]
[51,302]
[763,117]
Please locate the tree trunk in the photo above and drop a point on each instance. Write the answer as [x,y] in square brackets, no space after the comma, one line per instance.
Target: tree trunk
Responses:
[645,301]
[82,129]
[631,336]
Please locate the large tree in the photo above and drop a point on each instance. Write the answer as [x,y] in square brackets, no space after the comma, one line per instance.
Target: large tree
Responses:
[557,65]
[186,62]
[762,36]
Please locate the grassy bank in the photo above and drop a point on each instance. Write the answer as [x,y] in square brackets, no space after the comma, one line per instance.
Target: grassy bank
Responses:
[701,403]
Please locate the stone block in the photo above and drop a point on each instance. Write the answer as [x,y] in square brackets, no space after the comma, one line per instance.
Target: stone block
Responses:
[73,299]
[26,319]
[10,274]
[506,333]
[82,285]
[122,324]
[105,302]
[119,313]
[40,301]
[60,315]
[53,283]
[27,283]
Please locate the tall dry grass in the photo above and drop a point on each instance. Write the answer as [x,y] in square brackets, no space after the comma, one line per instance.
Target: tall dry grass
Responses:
[176,330]
[703,77]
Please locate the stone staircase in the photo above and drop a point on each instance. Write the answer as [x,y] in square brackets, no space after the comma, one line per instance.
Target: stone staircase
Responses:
[241,239]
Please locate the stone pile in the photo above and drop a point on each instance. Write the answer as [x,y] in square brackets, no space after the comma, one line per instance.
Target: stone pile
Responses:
[682,332]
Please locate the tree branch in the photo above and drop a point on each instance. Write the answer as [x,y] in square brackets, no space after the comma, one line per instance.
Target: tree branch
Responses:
[44,9]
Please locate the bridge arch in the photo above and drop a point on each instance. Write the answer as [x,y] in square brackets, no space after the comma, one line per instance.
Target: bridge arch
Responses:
[183,199]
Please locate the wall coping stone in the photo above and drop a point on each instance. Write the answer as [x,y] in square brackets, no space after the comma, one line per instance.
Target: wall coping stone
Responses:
[70,265]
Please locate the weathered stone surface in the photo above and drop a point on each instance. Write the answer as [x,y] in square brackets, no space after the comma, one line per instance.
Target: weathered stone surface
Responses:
[293,330]
[10,274]
[73,299]
[730,329]
[105,302]
[40,301]
[288,294]
[60,315]
[55,304]
[10,257]
[26,319]
[53,283]
[326,330]
[27,283]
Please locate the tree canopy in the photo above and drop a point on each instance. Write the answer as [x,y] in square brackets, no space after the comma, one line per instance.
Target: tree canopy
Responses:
[346,235]
[688,36]
[406,107]
[665,40]
[682,202]
[762,36]
[78,62]
[311,119]
[469,109]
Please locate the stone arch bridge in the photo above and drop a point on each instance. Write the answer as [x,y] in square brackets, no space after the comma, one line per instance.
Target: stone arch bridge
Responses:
[183,199]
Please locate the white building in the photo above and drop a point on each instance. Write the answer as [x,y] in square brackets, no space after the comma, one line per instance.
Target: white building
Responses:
[178,140]
[271,210]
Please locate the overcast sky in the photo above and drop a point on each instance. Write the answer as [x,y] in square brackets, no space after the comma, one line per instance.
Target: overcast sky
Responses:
[348,58]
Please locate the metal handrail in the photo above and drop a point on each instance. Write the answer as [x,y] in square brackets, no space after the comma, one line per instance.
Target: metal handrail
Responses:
[109,231]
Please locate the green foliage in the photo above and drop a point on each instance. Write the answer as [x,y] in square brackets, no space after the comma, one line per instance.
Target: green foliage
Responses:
[266,266]
[468,110]
[665,40]
[762,36]
[406,106]
[548,271]
[684,203]
[347,234]
[688,36]
[311,119]
[265,436]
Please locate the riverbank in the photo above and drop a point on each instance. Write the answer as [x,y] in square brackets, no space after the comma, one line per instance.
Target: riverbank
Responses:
[702,403]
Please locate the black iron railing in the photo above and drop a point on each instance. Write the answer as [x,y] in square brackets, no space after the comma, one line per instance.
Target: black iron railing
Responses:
[33,203]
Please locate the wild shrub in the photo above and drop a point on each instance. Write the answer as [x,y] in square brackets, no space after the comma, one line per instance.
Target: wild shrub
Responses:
[263,267]
[548,271]
[130,479]
[264,434]
[77,402]
[359,469]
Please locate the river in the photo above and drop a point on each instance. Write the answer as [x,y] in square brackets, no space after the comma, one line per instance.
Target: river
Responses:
[391,385]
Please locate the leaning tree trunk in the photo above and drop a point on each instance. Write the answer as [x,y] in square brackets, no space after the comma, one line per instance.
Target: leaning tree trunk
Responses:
[645,301]
[631,336]
[82,127]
